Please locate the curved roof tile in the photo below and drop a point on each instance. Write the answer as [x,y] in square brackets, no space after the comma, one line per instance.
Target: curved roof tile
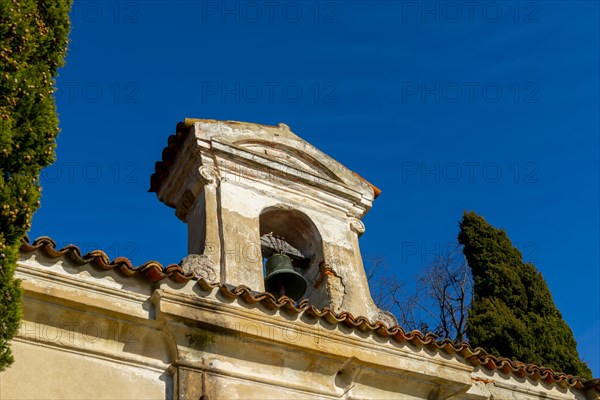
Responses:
[154,272]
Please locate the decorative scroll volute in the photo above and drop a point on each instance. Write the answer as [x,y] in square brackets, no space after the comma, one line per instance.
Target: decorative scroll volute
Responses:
[357,226]
[209,175]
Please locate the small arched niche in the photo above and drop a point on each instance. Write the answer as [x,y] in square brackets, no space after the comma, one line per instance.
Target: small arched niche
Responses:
[297,229]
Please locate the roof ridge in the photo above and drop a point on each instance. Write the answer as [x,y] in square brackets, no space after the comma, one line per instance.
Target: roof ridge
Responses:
[154,271]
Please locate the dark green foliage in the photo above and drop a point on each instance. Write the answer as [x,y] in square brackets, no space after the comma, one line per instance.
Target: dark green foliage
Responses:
[33,42]
[512,312]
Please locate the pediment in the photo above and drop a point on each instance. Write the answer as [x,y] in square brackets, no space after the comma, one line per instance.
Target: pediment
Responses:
[279,145]
[290,157]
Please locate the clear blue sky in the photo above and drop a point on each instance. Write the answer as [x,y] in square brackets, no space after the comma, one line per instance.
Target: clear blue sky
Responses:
[491,107]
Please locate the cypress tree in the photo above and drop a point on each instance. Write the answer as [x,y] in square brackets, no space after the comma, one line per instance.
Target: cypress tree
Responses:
[512,312]
[33,43]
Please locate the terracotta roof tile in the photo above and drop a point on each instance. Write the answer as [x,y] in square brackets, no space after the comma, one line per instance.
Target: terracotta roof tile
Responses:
[154,272]
[161,168]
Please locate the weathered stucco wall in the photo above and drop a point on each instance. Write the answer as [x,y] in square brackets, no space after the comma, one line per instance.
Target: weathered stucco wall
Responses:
[85,333]
[90,331]
[45,370]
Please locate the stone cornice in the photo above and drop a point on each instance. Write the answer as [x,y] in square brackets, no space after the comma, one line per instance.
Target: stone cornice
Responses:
[91,280]
[229,326]
[178,176]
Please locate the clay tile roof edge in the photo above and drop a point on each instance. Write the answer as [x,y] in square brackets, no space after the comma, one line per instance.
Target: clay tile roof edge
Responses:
[154,272]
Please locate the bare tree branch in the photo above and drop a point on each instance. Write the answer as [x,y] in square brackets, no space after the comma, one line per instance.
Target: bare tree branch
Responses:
[440,300]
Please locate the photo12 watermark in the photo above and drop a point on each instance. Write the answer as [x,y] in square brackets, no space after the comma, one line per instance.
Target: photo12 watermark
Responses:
[424,252]
[470,172]
[249,331]
[106,12]
[469,92]
[71,332]
[470,12]
[269,92]
[72,92]
[113,250]
[270,12]
[91,172]
[251,252]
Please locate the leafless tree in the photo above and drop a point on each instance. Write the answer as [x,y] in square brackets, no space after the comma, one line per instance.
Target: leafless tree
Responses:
[439,302]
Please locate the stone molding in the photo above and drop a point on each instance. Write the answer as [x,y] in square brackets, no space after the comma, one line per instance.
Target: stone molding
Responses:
[238,350]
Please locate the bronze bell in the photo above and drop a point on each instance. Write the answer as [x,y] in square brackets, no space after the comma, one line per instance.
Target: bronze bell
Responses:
[282,279]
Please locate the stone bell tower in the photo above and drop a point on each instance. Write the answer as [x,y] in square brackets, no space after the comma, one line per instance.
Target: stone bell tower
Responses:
[242,187]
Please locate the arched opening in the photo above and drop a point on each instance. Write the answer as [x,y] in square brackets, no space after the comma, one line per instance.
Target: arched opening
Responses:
[292,233]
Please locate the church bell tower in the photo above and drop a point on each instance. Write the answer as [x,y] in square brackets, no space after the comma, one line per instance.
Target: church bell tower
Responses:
[267,210]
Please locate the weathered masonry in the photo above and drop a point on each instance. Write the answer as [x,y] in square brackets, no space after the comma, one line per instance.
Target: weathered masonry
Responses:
[272,301]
